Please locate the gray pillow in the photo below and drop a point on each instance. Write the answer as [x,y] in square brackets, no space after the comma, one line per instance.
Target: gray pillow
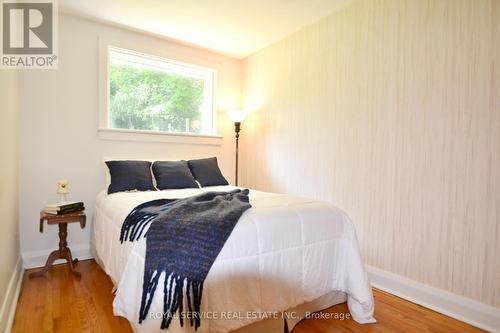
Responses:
[172,175]
[207,172]
[130,176]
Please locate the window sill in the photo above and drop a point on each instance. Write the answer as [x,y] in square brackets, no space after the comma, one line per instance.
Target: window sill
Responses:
[151,136]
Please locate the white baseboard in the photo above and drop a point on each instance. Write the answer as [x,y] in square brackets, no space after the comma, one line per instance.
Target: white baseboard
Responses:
[9,304]
[452,305]
[35,259]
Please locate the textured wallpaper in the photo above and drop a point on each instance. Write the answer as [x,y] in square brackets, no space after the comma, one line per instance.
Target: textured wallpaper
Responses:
[391,111]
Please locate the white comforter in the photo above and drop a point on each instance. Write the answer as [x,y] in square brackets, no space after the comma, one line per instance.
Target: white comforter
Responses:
[283,252]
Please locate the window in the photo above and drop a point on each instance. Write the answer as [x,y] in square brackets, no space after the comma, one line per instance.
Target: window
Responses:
[148,93]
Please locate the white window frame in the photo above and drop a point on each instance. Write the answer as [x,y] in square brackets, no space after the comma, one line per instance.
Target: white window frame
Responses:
[108,133]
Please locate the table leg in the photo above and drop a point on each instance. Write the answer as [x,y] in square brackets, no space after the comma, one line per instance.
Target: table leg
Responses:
[71,262]
[50,261]
[63,252]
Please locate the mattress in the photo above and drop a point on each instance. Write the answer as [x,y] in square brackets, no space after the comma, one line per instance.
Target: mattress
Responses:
[285,252]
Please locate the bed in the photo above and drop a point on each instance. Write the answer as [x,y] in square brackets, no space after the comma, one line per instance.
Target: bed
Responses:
[286,257]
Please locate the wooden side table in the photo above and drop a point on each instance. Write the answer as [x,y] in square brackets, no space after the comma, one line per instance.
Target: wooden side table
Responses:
[63,252]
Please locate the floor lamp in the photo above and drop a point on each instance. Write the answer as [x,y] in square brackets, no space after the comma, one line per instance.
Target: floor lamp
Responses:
[237,117]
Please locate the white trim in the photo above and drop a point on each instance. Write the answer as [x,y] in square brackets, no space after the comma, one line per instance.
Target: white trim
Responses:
[152,136]
[452,305]
[107,44]
[34,259]
[9,305]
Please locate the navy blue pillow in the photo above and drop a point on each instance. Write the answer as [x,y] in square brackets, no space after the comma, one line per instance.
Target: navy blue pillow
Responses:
[130,176]
[173,174]
[207,172]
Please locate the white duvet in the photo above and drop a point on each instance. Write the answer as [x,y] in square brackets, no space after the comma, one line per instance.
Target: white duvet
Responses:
[283,252]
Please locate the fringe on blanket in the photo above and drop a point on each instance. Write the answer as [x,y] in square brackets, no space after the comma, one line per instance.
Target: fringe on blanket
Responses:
[140,217]
[177,289]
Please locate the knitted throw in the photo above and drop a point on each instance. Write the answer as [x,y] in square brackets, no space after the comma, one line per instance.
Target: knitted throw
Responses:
[183,240]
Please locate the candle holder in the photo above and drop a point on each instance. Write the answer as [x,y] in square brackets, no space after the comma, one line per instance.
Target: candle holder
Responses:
[63,190]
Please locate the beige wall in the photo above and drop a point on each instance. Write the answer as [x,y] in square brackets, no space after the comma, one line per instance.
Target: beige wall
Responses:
[9,230]
[59,122]
[391,111]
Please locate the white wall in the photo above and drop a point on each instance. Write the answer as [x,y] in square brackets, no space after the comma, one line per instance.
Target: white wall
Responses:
[9,230]
[391,110]
[59,120]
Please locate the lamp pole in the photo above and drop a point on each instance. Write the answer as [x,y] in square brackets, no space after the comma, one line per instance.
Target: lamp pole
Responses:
[237,128]
[237,116]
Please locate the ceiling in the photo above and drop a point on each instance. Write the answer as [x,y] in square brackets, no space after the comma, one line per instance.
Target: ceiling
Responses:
[233,27]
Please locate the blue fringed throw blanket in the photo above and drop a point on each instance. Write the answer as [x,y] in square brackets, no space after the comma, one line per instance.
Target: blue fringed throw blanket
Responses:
[184,239]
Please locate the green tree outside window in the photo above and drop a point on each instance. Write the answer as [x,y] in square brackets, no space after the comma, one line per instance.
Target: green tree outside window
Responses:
[154,100]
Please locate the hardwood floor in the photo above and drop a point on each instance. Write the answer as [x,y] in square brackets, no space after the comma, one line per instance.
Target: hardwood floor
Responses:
[62,303]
